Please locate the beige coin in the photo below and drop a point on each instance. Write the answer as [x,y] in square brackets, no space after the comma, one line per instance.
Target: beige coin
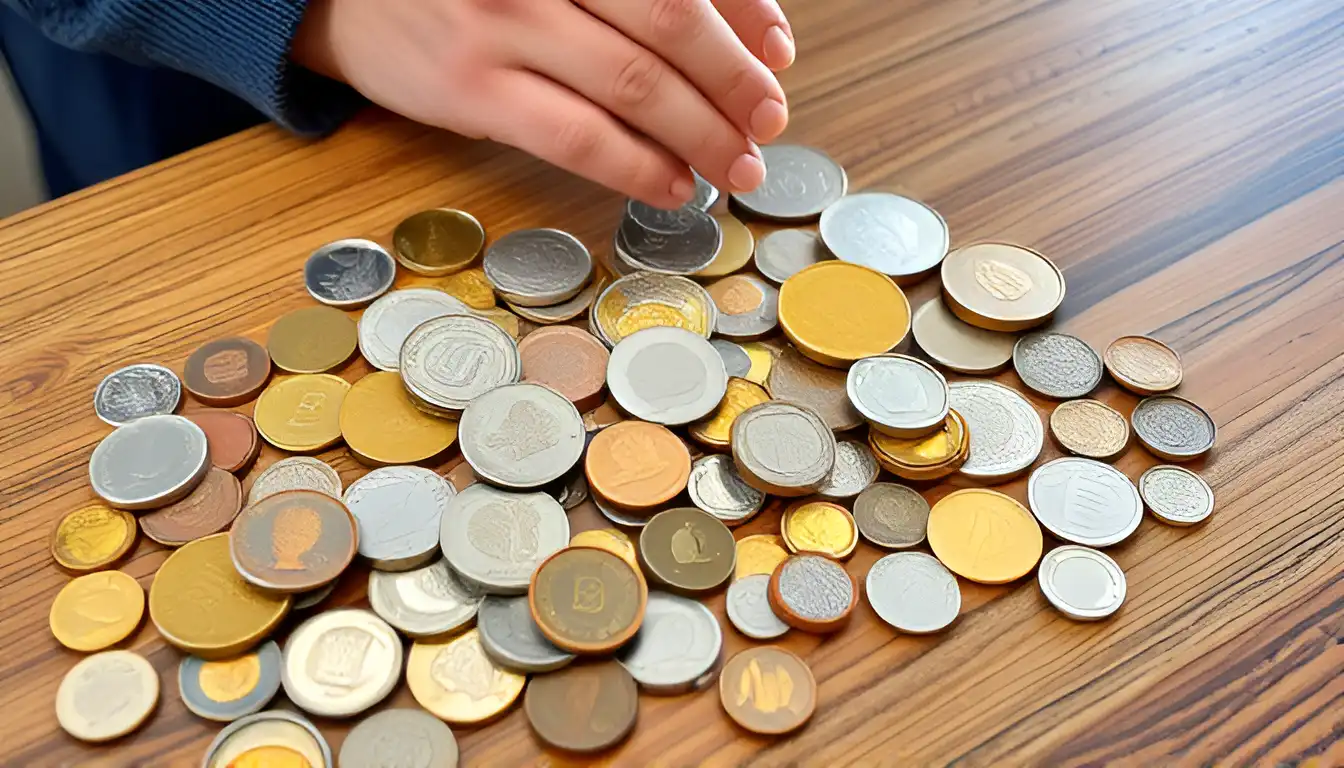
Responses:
[457,682]
[959,346]
[1001,287]
[106,696]
[735,248]
[1143,365]
[1090,428]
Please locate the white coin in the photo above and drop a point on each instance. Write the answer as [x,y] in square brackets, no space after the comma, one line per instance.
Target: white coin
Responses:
[387,322]
[897,394]
[398,511]
[913,592]
[426,601]
[1085,502]
[748,606]
[667,376]
[1082,583]
[1176,495]
[340,663]
[888,233]
[497,539]
[106,695]
[521,436]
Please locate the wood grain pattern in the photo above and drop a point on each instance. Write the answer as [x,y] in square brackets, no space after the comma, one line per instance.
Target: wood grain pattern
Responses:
[1182,160]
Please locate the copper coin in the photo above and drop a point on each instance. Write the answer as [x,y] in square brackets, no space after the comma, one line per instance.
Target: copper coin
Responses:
[1143,365]
[584,707]
[688,550]
[227,372]
[768,690]
[293,541]
[312,340]
[587,600]
[568,360]
[813,593]
[637,465]
[208,510]
[796,379]
[233,439]
[462,476]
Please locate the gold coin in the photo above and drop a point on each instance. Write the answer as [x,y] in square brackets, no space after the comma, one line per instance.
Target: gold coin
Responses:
[1090,428]
[312,340]
[97,610]
[928,451]
[984,536]
[438,241]
[458,683]
[821,527]
[381,424]
[836,312]
[302,414]
[610,539]
[270,756]
[715,430]
[762,360]
[761,553]
[506,320]
[1001,287]
[92,538]
[471,287]
[230,680]
[735,249]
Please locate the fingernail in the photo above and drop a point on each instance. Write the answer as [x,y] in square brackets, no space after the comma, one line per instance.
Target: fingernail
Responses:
[746,173]
[768,120]
[683,189]
[778,47]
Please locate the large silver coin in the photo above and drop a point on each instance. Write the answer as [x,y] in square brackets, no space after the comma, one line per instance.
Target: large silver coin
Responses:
[677,648]
[899,395]
[1082,583]
[497,539]
[538,267]
[913,592]
[340,663]
[1057,365]
[137,391]
[246,733]
[511,638]
[521,436]
[427,601]
[748,607]
[296,473]
[1176,495]
[398,511]
[623,519]
[706,194]
[855,469]
[1084,501]
[1173,428]
[782,448]
[800,183]
[892,516]
[1007,434]
[149,463]
[349,273]
[667,376]
[266,683]
[680,242]
[450,361]
[384,326]
[736,361]
[888,233]
[717,488]
[400,737]
[747,309]
[786,252]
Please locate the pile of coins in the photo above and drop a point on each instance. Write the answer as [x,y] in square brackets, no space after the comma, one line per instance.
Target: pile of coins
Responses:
[692,394]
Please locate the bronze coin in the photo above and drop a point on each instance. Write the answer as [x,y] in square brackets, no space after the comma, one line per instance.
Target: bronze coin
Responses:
[570,361]
[796,379]
[312,340]
[293,541]
[813,593]
[687,550]
[768,690]
[587,600]
[233,439]
[461,476]
[583,707]
[208,510]
[227,372]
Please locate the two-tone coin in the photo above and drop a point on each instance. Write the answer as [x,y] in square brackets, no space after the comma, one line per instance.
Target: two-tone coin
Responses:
[813,593]
[1057,365]
[959,346]
[800,182]
[898,394]
[678,647]
[959,535]
[496,538]
[736,247]
[137,391]
[511,638]
[567,360]
[293,541]
[438,241]
[538,267]
[1173,428]
[150,462]
[796,379]
[587,600]
[687,550]
[228,689]
[232,437]
[397,737]
[1006,433]
[106,696]
[666,376]
[295,473]
[1001,287]
[302,414]
[312,340]
[651,300]
[748,307]
[821,527]
[449,361]
[349,273]
[836,312]
[855,469]
[207,510]
[93,537]
[894,235]
[716,487]
[1086,502]
[339,663]
[676,242]
[1143,365]
[399,511]
[715,432]
[782,448]
[429,600]
[387,322]
[748,607]
[1082,583]
[1175,495]
[584,708]
[454,680]
[227,372]
[913,592]
[271,737]
[521,436]
[892,516]
[768,690]
[97,611]
[1090,428]
[786,252]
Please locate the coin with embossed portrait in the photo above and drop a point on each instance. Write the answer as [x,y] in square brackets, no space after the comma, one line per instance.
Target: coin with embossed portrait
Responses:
[587,600]
[93,538]
[456,681]
[813,593]
[678,647]
[400,737]
[783,448]
[800,182]
[1006,433]
[1090,428]
[339,663]
[1057,365]
[1085,502]
[137,391]
[302,413]
[716,487]
[1175,495]
[399,511]
[349,273]
[1173,428]
[227,372]
[293,541]
[1001,287]
[636,465]
[228,689]
[1143,365]
[449,361]
[429,600]
[666,376]
[497,538]
[583,708]
[913,592]
[538,267]
[796,379]
[892,516]
[521,436]
[892,234]
[512,639]
[687,550]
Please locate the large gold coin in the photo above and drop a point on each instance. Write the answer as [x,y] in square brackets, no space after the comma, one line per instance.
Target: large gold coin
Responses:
[312,340]
[382,426]
[93,537]
[458,683]
[735,249]
[302,414]
[469,286]
[836,312]
[821,527]
[438,241]
[984,536]
[97,610]
[761,553]
[714,431]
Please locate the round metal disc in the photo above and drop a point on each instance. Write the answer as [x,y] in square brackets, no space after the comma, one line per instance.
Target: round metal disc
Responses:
[1082,583]
[678,646]
[349,273]
[521,436]
[399,510]
[149,463]
[1057,365]
[667,376]
[748,607]
[717,488]
[538,267]
[894,235]
[1176,495]
[512,639]
[800,183]
[137,391]
[913,592]
[1084,501]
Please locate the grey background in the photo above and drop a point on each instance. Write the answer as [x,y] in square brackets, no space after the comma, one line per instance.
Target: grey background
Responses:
[20,180]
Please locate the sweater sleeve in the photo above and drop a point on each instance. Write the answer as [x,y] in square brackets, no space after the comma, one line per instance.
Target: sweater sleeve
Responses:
[241,46]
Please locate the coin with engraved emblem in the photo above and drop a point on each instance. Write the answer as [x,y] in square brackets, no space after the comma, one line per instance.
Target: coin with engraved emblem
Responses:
[302,413]
[587,600]
[677,242]
[106,696]
[735,359]
[271,738]
[149,463]
[228,689]
[312,340]
[399,511]
[429,600]
[339,663]
[349,273]
[786,252]
[894,235]
[855,469]
[716,431]
[438,241]
[1090,428]
[584,708]
[666,376]
[498,538]
[97,610]
[836,312]
[636,465]
[782,448]
[1001,287]
[716,487]
[735,248]
[984,536]
[568,360]
[768,690]
[521,436]
[296,473]
[1175,495]
[1006,433]
[678,647]
[93,538]
[959,346]
[800,183]
[137,391]
[892,516]
[1082,583]
[565,310]
[913,593]
[1057,365]
[749,611]
[1143,365]
[898,394]
[819,526]
[650,300]
[232,437]
[293,541]
[381,424]
[748,307]
[759,553]
[1173,428]
[227,372]
[1085,502]
[208,510]
[687,550]
[538,267]
[512,639]
[796,379]
[399,737]
[449,361]
[456,681]
[387,322]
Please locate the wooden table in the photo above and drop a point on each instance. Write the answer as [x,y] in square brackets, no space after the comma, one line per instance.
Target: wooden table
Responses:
[1182,161]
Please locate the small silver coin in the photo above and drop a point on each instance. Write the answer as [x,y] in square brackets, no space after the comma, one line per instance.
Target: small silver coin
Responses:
[149,463]
[892,516]
[304,601]
[521,436]
[400,737]
[753,323]
[706,194]
[618,517]
[800,183]
[1086,502]
[899,395]
[398,511]
[349,273]
[913,592]
[748,607]
[677,648]
[450,361]
[296,473]
[717,488]
[387,322]
[783,448]
[894,235]
[816,588]
[562,312]
[1175,495]
[667,376]
[497,538]
[263,728]
[1173,428]
[786,252]
[680,242]
[1081,583]
[511,638]
[429,600]
[538,267]
[339,663]
[1057,365]
[736,361]
[137,391]
[855,469]
[194,696]
[1006,433]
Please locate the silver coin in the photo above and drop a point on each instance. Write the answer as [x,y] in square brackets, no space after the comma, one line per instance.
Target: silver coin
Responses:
[816,588]
[706,194]
[429,600]
[621,263]
[888,233]
[1057,365]
[394,738]
[137,391]
[1081,583]
[855,469]
[892,516]
[1173,428]
[1007,434]
[748,607]
[754,323]
[562,312]
[800,183]
[717,488]
[349,273]
[617,516]
[736,361]
[913,592]
[497,539]
[538,267]
[667,376]
[521,436]
[339,663]
[681,299]
[1086,502]
[296,473]
[262,728]
[511,638]
[677,648]
[398,511]
[450,361]
[1176,495]
[786,449]
[680,242]
[312,598]
[149,463]
[387,322]
[786,252]
[899,395]
[267,684]
[572,490]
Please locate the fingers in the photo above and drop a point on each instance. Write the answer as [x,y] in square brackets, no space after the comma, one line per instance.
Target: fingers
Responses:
[762,28]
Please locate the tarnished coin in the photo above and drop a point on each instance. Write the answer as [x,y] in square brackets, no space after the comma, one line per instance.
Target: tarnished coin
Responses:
[1057,364]
[438,241]
[610,539]
[137,391]
[399,511]
[813,593]
[735,248]
[735,359]
[97,610]
[716,431]
[636,465]
[796,379]
[786,252]
[387,322]
[208,510]
[678,646]
[1001,287]
[349,273]
[93,538]
[768,690]
[800,183]
[650,300]
[687,550]
[149,463]
[427,601]
[1082,501]
[1173,428]
[759,554]
[568,360]
[227,372]
[1143,365]
[584,708]
[1082,583]
[497,539]
[312,340]
[959,346]
[1005,430]
[522,436]
[228,689]
[894,235]
[339,663]
[232,437]
[512,639]
[400,737]
[984,536]
[782,448]
[892,516]
[565,310]
[1175,495]
[836,312]
[679,242]
[273,737]
[898,395]
[457,682]
[913,592]
[587,600]
[302,413]
[450,361]
[748,607]
[821,527]
[717,488]
[106,696]
[1090,428]
[296,473]
[293,541]
[538,267]
[667,376]
[855,469]
[748,306]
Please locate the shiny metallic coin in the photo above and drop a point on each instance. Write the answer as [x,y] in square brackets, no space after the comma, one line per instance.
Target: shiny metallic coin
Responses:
[748,306]
[96,611]
[768,690]
[1082,583]
[736,362]
[521,436]
[438,241]
[93,537]
[1006,432]
[1143,365]
[800,183]
[796,379]
[400,737]
[959,346]
[735,250]
[782,448]
[820,527]
[1057,365]
[678,647]
[813,593]
[349,273]
[568,360]
[511,637]
[296,473]
[339,663]
[538,267]
[706,194]
[271,737]
[1090,429]
[1001,287]
[497,539]
[585,708]
[149,463]
[666,376]
[430,600]
[748,608]
[715,431]
[293,541]
[233,688]
[312,340]
[618,516]
[137,391]
[680,242]
[759,553]
[1175,495]
[1173,428]
[913,592]
[1082,501]
[304,601]
[717,488]
[837,313]
[897,236]
[399,511]
[609,539]
[892,516]
[786,252]
[227,372]
[565,310]
[899,395]
[687,550]
[454,680]
[855,469]
[387,322]
[958,535]
[649,300]
[106,696]
[450,361]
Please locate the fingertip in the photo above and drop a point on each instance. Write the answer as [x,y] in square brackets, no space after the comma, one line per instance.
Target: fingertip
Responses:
[682,189]
[778,48]
[746,173]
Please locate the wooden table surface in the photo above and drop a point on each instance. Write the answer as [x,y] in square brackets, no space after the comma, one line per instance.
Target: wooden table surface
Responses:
[1182,161]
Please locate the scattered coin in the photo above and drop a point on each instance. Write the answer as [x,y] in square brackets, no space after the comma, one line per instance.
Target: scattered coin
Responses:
[636,465]
[538,267]
[1006,433]
[748,307]
[813,593]
[1001,287]
[1175,495]
[227,372]
[735,359]
[735,249]
[567,360]
[587,600]
[302,413]
[231,688]
[583,708]
[106,696]
[381,424]
[449,361]
[1090,428]
[349,273]
[800,183]
[610,539]
[956,345]
[835,313]
[339,663]
[497,539]
[782,448]
[565,310]
[423,602]
[667,376]
[312,340]
[137,391]
[1173,428]
[398,511]
[820,527]
[716,487]
[208,510]
[898,395]
[650,300]
[471,287]
[762,361]
[522,436]
[786,252]
[438,241]
[149,463]
[97,610]
[93,538]
[984,536]
[296,473]
[1143,365]
[678,242]
[293,541]
[1082,501]
[768,690]
[1081,583]
[924,458]
[232,438]
[748,608]
[457,682]
[512,639]
[913,592]
[798,380]
[759,554]
[894,235]
[387,322]
[892,516]
[1057,365]
[273,737]
[400,737]
[678,647]
[714,432]
[855,469]
[687,550]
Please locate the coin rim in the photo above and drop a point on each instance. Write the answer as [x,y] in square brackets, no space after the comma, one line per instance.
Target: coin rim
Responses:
[1213,499]
[262,582]
[324,251]
[988,322]
[1127,383]
[1056,600]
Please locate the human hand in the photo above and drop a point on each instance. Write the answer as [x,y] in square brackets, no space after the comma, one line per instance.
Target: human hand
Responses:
[628,93]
